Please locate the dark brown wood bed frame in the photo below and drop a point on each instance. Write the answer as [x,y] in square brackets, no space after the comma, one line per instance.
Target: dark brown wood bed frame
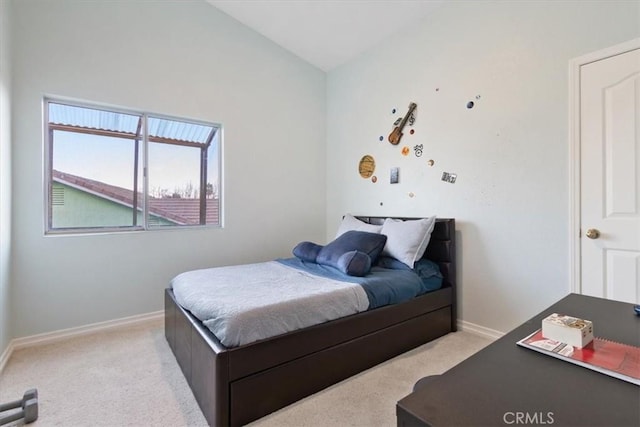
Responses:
[235,386]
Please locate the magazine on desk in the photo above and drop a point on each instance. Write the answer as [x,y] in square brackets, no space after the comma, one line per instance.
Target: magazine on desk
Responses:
[608,357]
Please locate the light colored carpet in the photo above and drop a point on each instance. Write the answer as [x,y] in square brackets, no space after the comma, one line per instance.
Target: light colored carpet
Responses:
[129,377]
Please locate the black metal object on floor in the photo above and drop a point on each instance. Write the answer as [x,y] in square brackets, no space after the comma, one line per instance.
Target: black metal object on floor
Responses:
[26,408]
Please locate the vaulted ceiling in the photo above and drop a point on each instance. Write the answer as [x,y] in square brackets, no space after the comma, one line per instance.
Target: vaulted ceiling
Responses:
[327,33]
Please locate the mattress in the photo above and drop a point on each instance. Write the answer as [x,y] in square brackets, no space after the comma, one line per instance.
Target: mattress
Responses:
[246,303]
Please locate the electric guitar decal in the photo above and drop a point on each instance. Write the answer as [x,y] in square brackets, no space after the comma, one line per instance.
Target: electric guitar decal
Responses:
[396,134]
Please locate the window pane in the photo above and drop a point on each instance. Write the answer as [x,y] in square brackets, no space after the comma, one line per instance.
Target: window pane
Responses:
[93,181]
[180,154]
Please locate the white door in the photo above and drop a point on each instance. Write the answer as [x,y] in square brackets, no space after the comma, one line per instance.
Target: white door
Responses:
[610,177]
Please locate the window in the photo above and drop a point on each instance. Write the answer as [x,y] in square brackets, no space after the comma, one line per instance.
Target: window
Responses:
[112,170]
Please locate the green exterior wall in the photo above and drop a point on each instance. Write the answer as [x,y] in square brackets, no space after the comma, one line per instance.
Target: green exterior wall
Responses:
[74,208]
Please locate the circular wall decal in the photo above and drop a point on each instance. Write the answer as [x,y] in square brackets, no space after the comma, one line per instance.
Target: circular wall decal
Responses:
[366,166]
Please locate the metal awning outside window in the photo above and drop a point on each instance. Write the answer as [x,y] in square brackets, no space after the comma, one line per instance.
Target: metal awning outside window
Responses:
[126,125]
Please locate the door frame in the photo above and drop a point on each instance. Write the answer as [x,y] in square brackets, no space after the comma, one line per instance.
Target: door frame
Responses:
[575,255]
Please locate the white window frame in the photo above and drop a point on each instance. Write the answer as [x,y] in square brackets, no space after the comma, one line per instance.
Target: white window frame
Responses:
[144,140]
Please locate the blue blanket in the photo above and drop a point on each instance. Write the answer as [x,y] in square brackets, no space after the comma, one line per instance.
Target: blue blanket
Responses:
[383,286]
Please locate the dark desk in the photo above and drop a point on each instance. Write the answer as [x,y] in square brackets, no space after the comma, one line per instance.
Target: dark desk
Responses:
[505,384]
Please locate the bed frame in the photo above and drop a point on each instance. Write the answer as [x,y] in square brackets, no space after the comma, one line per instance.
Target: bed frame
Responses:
[235,386]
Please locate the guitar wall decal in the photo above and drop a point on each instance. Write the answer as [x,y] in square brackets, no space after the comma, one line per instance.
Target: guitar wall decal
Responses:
[396,134]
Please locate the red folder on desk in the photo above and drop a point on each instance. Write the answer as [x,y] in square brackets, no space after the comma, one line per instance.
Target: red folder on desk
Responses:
[608,357]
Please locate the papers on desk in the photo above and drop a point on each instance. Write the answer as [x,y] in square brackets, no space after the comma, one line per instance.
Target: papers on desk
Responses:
[608,357]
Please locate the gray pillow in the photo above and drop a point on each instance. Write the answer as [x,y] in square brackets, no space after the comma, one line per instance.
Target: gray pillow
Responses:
[407,240]
[349,222]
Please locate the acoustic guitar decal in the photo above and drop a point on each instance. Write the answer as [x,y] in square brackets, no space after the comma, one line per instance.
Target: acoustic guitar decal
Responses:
[396,134]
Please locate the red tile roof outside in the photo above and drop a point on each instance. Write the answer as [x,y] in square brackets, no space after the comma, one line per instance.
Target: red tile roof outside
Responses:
[178,210]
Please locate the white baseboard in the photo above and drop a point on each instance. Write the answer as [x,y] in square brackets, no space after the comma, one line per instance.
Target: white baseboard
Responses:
[479,330]
[64,334]
[6,354]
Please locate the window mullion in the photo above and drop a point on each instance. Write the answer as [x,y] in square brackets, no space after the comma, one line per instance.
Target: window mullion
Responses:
[50,183]
[203,185]
[136,163]
[145,170]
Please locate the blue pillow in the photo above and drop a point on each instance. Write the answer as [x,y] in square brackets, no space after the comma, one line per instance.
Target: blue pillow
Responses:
[362,241]
[353,252]
[429,273]
[307,251]
[426,268]
[354,263]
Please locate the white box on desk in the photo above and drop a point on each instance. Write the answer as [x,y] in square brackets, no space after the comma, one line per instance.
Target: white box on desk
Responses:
[569,330]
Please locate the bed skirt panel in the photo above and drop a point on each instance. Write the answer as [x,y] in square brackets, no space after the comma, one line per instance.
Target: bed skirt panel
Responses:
[258,395]
[265,354]
[203,362]
[210,380]
[286,378]
[170,323]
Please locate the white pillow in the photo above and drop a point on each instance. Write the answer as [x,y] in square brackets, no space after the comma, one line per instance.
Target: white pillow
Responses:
[407,240]
[349,222]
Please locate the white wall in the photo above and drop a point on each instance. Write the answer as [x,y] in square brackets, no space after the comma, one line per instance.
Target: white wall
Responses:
[181,58]
[187,59]
[510,152]
[5,174]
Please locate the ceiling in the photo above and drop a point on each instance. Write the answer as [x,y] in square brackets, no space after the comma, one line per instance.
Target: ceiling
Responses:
[327,33]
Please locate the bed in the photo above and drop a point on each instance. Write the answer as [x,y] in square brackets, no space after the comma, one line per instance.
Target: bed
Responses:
[234,386]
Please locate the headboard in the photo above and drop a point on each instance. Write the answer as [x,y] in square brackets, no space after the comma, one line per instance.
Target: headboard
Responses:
[441,248]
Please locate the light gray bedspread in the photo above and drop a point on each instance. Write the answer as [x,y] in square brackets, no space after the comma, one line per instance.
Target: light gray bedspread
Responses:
[241,304]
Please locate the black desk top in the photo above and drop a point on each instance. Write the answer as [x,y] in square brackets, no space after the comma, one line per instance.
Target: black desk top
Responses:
[504,381]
